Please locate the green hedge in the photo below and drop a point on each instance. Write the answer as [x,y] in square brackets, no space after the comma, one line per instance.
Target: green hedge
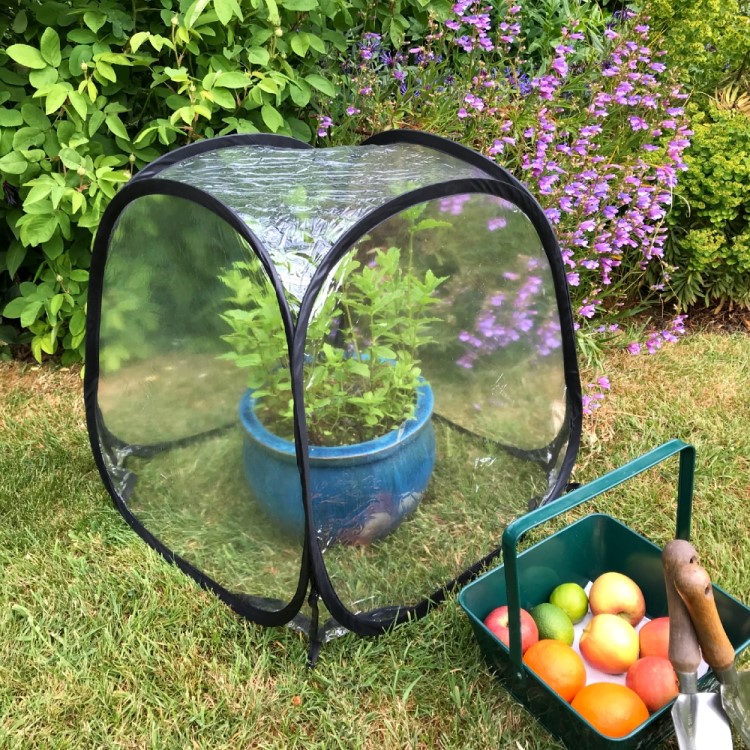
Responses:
[710,221]
[92,91]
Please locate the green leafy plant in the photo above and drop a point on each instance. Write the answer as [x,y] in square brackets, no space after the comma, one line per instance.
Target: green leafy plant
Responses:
[710,226]
[362,368]
[92,91]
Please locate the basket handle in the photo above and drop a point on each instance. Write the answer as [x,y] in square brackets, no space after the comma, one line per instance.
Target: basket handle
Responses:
[516,529]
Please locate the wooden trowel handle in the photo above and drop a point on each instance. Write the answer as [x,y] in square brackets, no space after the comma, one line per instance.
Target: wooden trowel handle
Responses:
[694,586]
[684,652]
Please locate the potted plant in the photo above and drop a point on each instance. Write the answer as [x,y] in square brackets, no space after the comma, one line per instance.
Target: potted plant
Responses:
[370,440]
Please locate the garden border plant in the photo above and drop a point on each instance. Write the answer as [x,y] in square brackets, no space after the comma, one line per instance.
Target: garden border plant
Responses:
[600,131]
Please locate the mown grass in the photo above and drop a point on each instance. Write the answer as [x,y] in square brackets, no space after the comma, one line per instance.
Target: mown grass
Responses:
[103,644]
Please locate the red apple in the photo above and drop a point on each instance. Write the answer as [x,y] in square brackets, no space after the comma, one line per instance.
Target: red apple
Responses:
[616,594]
[654,680]
[609,643]
[497,622]
[654,638]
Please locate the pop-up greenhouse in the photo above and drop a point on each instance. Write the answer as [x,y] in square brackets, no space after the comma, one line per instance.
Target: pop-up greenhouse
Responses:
[323,381]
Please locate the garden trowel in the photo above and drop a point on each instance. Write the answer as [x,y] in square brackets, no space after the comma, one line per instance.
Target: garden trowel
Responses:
[699,721]
[694,586]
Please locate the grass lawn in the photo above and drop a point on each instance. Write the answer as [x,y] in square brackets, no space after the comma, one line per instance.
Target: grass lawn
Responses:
[104,645]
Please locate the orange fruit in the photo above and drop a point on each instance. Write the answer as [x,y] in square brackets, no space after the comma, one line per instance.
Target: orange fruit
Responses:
[613,709]
[557,665]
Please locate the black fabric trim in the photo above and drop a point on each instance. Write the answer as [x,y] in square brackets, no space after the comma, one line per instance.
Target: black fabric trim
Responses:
[129,193]
[213,144]
[513,191]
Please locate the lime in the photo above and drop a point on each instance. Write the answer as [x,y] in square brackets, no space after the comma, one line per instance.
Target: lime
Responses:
[553,623]
[572,600]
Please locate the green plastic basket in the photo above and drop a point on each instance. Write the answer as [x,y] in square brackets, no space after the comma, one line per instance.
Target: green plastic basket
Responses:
[580,552]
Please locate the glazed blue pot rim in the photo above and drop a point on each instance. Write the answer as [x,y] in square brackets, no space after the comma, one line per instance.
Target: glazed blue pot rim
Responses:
[383,444]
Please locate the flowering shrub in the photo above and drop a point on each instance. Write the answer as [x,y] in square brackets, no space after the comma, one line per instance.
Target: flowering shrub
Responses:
[598,135]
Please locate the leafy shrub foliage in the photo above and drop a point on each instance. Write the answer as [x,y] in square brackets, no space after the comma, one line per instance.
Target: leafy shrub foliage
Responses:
[705,39]
[92,91]
[710,227]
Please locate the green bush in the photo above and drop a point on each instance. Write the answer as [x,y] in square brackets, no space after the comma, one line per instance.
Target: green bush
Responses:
[706,40]
[710,226]
[92,91]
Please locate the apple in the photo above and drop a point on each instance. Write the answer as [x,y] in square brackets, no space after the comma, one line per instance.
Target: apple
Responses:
[654,680]
[609,643]
[654,638]
[616,594]
[497,622]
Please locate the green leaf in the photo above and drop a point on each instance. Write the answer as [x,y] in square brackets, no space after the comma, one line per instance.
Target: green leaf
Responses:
[316,43]
[321,84]
[20,22]
[193,13]
[80,105]
[54,247]
[50,47]
[10,118]
[116,126]
[15,307]
[95,122]
[37,228]
[258,56]
[38,193]
[13,163]
[232,80]
[271,117]
[431,224]
[29,57]
[36,348]
[223,98]
[77,323]
[226,9]
[300,130]
[34,117]
[16,256]
[300,93]
[106,71]
[44,77]
[70,158]
[300,5]
[56,97]
[300,44]
[138,39]
[94,20]
[77,201]
[81,36]
[31,312]
[56,303]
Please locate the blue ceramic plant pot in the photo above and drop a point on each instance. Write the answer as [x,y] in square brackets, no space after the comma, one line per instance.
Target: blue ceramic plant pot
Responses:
[359,492]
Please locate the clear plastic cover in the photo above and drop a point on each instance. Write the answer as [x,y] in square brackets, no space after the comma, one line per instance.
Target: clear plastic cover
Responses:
[433,377]
[177,285]
[434,385]
[300,201]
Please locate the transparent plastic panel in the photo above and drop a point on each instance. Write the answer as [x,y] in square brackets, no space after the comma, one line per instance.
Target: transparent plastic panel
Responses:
[299,202]
[434,397]
[190,330]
